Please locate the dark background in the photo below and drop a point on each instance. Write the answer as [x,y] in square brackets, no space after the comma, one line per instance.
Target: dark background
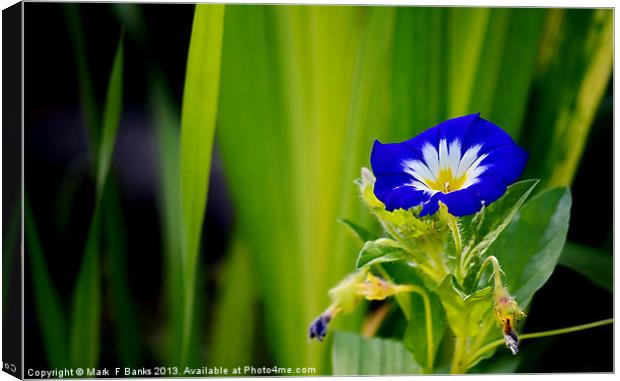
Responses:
[57,183]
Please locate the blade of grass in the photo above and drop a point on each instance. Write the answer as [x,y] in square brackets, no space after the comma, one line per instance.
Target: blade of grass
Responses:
[125,316]
[166,121]
[165,117]
[47,302]
[84,331]
[255,151]
[505,66]
[234,311]
[299,97]
[573,71]
[419,79]
[120,298]
[198,115]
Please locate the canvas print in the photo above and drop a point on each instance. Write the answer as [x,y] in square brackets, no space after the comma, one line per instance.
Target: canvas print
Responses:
[239,190]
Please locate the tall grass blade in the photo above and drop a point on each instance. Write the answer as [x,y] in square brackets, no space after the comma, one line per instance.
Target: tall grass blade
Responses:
[84,335]
[47,302]
[234,311]
[198,115]
[505,66]
[573,71]
[166,120]
[111,119]
[124,310]
[296,145]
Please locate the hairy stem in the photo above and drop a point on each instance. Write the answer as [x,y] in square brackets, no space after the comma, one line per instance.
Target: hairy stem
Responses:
[534,335]
[458,245]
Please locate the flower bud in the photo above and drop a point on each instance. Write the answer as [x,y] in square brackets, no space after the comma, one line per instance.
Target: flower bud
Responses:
[508,314]
[375,288]
[318,328]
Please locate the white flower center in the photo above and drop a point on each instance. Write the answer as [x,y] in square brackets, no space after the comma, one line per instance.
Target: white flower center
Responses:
[445,170]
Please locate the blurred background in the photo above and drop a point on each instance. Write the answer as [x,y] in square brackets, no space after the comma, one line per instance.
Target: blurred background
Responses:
[303,92]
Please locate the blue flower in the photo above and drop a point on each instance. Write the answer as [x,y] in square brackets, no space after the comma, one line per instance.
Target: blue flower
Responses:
[465,162]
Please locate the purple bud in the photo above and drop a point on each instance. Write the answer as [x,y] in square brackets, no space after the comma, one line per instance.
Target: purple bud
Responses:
[318,328]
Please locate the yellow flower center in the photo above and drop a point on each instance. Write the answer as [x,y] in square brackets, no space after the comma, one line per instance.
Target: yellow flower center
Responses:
[446,182]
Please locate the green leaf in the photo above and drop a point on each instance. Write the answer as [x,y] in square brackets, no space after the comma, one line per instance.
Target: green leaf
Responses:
[573,72]
[84,344]
[379,251]
[529,248]
[84,334]
[416,337]
[354,355]
[234,311]
[414,306]
[483,228]
[166,120]
[594,264]
[198,115]
[125,322]
[360,233]
[111,118]
[506,60]
[49,309]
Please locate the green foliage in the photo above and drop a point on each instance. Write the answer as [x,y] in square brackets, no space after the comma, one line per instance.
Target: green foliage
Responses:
[50,312]
[573,70]
[166,120]
[111,119]
[358,232]
[198,115]
[379,251]
[531,244]
[234,311]
[485,226]
[84,333]
[594,264]
[417,335]
[356,355]
[304,91]
[121,301]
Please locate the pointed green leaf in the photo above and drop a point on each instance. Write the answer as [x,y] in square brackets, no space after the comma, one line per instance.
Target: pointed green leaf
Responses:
[198,115]
[358,232]
[84,339]
[483,228]
[49,309]
[111,118]
[529,248]
[379,251]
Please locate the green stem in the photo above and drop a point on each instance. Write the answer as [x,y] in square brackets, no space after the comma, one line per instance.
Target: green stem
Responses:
[457,358]
[535,335]
[496,270]
[427,314]
[429,322]
[458,244]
